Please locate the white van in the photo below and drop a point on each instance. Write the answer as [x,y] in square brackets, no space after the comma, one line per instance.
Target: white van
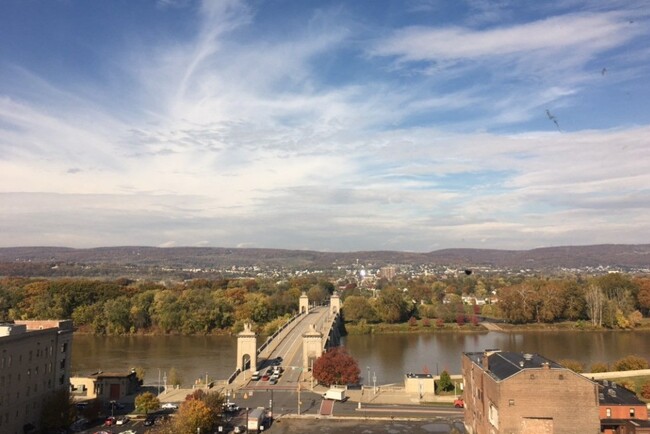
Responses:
[256,376]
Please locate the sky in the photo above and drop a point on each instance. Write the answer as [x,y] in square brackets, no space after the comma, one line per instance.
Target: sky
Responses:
[412,125]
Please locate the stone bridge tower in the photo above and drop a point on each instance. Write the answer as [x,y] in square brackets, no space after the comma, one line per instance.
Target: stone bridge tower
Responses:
[247,349]
[303,306]
[312,347]
[335,304]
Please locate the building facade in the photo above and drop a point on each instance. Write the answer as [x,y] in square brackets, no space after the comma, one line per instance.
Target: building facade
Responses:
[34,361]
[620,407]
[514,393]
[104,386]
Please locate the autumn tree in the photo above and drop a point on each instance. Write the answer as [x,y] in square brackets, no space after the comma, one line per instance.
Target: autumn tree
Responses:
[630,363]
[356,308]
[599,367]
[643,296]
[595,304]
[573,365]
[645,390]
[193,416]
[146,402]
[336,366]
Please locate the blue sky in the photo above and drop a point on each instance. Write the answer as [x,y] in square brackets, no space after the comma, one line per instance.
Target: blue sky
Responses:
[329,125]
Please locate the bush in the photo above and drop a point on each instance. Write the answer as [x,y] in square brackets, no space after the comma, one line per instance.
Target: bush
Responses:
[573,365]
[413,322]
[630,363]
[440,323]
[426,322]
[645,390]
[599,367]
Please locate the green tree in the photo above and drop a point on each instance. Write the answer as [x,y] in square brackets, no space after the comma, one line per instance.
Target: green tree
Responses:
[391,306]
[146,402]
[317,294]
[57,411]
[336,366]
[174,378]
[444,383]
[357,308]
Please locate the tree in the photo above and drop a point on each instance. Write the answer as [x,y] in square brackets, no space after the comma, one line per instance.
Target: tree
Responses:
[445,384]
[174,378]
[645,390]
[391,306]
[192,416]
[573,365]
[356,308]
[336,367]
[146,402]
[58,411]
[595,305]
[599,367]
[630,363]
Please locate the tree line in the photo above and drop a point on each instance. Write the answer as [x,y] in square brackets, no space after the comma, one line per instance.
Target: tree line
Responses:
[123,306]
[611,301]
[203,306]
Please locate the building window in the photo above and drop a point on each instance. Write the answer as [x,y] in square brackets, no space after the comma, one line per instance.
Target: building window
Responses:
[511,402]
[608,412]
[632,413]
[64,347]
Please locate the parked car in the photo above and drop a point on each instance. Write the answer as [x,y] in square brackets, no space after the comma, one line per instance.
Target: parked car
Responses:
[273,381]
[459,403]
[265,378]
[128,431]
[150,420]
[169,406]
[256,376]
[123,420]
[110,421]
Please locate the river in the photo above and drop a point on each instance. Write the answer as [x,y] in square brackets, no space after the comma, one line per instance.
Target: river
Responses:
[387,357]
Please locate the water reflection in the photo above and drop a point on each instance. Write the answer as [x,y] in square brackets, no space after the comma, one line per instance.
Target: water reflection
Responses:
[389,356]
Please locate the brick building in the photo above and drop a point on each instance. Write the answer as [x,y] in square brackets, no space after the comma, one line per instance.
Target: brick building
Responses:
[621,411]
[34,361]
[515,393]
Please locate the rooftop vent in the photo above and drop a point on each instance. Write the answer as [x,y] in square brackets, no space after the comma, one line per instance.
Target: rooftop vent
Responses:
[611,392]
[601,396]
[521,363]
[605,383]
[528,356]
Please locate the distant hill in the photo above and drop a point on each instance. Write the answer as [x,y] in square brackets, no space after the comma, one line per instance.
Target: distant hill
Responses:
[607,255]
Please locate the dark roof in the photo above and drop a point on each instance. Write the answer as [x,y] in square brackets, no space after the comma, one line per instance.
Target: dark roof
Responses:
[610,393]
[640,423]
[412,375]
[503,364]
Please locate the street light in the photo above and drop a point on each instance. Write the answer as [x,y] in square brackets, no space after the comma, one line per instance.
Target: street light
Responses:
[368,377]
[374,383]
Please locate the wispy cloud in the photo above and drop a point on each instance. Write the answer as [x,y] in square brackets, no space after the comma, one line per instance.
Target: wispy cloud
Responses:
[331,137]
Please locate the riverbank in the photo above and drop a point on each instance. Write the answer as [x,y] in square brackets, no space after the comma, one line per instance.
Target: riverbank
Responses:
[482,327]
